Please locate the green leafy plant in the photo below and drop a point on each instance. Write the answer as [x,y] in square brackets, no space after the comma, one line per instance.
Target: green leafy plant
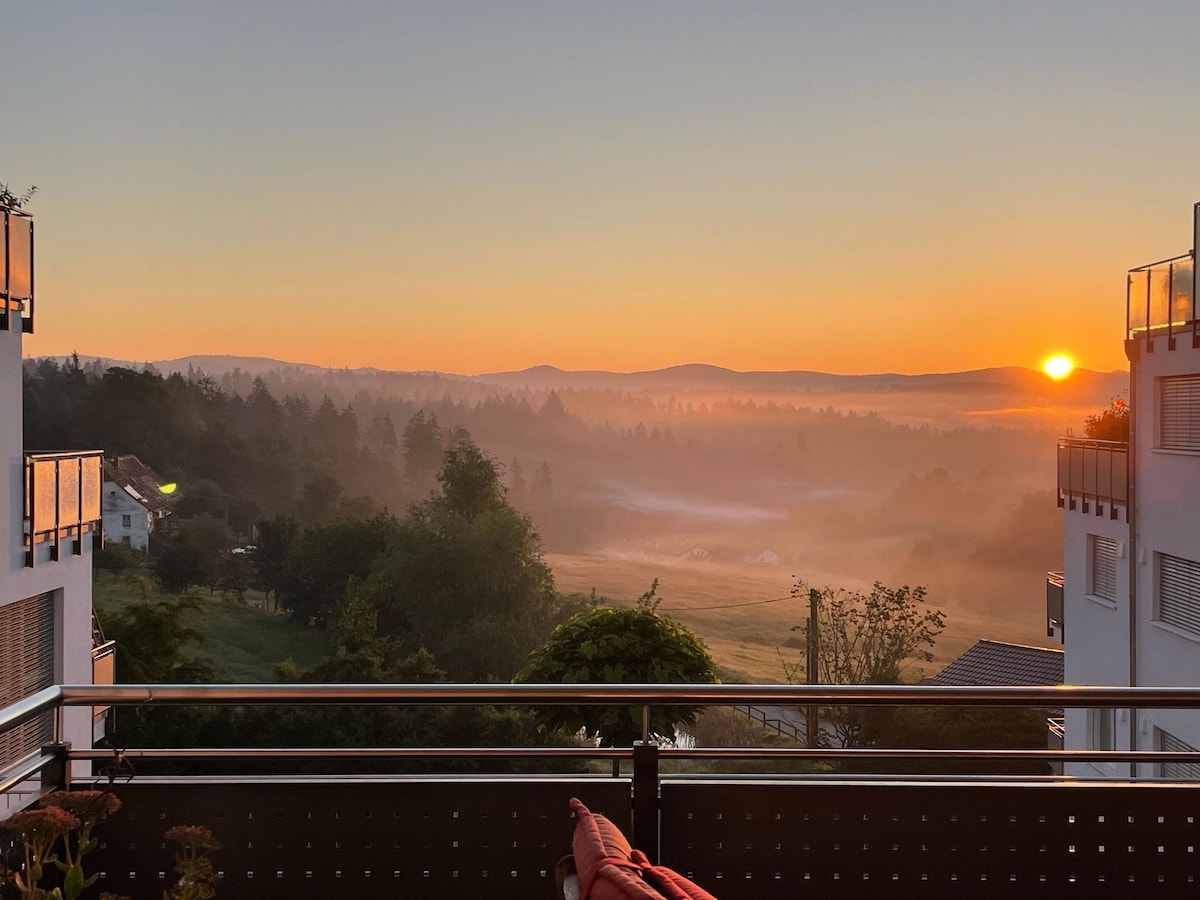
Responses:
[90,808]
[14,200]
[1110,424]
[620,646]
[197,877]
[38,830]
[64,822]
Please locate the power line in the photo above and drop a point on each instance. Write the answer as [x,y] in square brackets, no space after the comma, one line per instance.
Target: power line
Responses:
[726,606]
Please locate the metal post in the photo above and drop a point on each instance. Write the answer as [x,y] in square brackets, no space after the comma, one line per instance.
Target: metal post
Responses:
[27,321]
[812,639]
[645,798]
[5,309]
[1149,328]
[57,775]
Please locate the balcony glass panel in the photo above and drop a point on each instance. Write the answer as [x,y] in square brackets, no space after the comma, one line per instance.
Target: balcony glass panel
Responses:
[1094,470]
[1160,296]
[45,500]
[91,489]
[68,492]
[1136,295]
[62,496]
[20,257]
[1182,304]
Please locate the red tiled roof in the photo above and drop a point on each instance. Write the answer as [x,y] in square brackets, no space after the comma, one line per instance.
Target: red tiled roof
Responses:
[139,481]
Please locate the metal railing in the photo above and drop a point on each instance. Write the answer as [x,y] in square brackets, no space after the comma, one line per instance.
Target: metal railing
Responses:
[104,671]
[741,836]
[1092,474]
[1160,298]
[772,722]
[1055,620]
[62,499]
[646,696]
[16,267]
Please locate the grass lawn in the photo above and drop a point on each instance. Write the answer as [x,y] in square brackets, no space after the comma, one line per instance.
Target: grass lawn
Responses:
[707,597]
[245,642]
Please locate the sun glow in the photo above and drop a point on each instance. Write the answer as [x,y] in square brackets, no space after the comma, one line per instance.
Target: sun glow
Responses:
[1058,367]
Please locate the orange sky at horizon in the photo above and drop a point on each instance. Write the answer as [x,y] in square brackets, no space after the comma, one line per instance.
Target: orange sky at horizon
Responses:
[964,319]
[921,187]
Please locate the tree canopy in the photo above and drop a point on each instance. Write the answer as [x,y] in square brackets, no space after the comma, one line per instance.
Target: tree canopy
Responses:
[866,638]
[612,645]
[463,575]
[1110,424]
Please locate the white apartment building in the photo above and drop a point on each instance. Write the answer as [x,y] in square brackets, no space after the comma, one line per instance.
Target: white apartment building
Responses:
[49,515]
[1127,605]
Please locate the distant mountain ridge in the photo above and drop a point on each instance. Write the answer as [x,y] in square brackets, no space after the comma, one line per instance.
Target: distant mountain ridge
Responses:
[687,377]
[701,376]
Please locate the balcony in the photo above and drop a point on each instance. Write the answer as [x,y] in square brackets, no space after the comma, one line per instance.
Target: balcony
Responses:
[825,833]
[1055,621]
[104,669]
[1093,476]
[62,501]
[1160,300]
[16,268]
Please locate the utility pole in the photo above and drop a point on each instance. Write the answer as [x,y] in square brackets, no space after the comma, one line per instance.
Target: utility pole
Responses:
[811,639]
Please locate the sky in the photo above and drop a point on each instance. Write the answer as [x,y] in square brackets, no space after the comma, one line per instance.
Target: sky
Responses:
[473,187]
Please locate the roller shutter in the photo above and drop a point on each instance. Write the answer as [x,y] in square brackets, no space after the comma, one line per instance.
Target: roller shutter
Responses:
[1189,771]
[1179,413]
[1179,592]
[26,667]
[1102,579]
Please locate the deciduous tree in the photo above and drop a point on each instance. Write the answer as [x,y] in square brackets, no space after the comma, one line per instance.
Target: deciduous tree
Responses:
[866,638]
[612,645]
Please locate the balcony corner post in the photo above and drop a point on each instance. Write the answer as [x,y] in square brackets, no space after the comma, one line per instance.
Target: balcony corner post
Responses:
[645,798]
[57,774]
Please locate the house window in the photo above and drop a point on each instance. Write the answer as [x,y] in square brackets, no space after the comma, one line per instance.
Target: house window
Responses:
[1101,728]
[1102,567]
[1178,601]
[126,521]
[1179,412]
[26,667]
[1183,771]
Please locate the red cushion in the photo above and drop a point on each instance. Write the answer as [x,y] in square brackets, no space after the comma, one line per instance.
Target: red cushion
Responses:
[609,869]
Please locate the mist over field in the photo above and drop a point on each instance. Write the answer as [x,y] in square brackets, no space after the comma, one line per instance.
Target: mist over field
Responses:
[729,486]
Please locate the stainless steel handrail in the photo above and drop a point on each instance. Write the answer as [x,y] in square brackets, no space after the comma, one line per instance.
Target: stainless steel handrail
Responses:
[1160,262]
[1041,696]
[30,707]
[666,753]
[24,770]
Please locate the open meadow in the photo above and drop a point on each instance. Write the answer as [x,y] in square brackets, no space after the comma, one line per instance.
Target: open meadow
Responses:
[245,642]
[744,611]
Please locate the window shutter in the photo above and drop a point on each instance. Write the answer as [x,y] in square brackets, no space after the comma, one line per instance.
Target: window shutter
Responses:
[1189,771]
[1179,412]
[1103,575]
[1179,592]
[26,667]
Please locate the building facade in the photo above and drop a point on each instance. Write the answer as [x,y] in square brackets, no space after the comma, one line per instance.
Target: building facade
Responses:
[133,501]
[49,517]
[1127,605]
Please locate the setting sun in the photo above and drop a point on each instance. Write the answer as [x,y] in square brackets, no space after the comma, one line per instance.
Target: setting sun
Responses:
[1058,367]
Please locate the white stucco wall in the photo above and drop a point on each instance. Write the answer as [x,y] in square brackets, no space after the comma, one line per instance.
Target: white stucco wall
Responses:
[1097,630]
[1167,484]
[116,503]
[70,579]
